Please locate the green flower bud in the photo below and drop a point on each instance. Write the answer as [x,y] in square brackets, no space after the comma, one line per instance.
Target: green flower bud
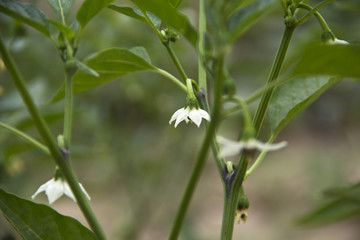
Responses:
[290,21]
[229,85]
[242,206]
[61,141]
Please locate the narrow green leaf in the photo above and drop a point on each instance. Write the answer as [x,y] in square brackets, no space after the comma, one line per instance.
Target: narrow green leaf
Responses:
[61,7]
[141,52]
[243,19]
[26,13]
[136,14]
[330,212]
[341,60]
[68,32]
[82,66]
[171,16]
[40,222]
[294,96]
[351,192]
[128,11]
[109,64]
[89,9]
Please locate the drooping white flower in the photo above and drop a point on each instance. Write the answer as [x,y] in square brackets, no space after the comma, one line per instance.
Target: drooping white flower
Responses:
[231,148]
[189,114]
[54,189]
[337,41]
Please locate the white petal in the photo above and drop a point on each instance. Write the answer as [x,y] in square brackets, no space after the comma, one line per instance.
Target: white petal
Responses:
[228,147]
[175,115]
[265,146]
[204,114]
[83,189]
[42,188]
[182,116]
[54,190]
[68,191]
[341,42]
[195,117]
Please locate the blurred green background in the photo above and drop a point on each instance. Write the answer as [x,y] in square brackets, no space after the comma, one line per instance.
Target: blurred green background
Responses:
[135,165]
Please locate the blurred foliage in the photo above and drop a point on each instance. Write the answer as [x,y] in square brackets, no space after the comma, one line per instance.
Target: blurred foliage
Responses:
[122,144]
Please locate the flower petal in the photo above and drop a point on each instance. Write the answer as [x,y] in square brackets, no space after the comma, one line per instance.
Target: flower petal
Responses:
[42,188]
[182,116]
[228,147]
[195,117]
[204,114]
[68,192]
[176,114]
[84,191]
[255,144]
[54,190]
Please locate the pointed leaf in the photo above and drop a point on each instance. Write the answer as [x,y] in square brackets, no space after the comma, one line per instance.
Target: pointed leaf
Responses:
[61,7]
[136,14]
[128,11]
[82,66]
[342,60]
[330,212]
[171,16]
[89,9]
[26,13]
[40,222]
[141,52]
[289,99]
[248,16]
[109,64]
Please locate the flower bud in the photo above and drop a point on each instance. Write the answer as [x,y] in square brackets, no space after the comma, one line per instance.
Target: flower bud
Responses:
[242,206]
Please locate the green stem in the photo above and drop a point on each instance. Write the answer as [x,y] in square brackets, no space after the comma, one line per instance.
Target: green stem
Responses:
[51,143]
[320,19]
[233,183]
[201,53]
[172,78]
[313,10]
[202,156]
[68,109]
[258,160]
[274,73]
[175,60]
[166,43]
[26,138]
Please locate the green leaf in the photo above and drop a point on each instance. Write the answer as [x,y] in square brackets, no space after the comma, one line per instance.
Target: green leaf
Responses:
[109,64]
[68,32]
[351,192]
[26,13]
[247,16]
[128,11]
[341,60]
[136,14]
[40,222]
[330,212]
[289,99]
[171,16]
[82,66]
[61,7]
[89,9]
[346,204]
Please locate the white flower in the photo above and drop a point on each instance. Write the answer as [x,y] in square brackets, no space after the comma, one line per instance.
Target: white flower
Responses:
[230,148]
[54,189]
[187,114]
[337,42]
